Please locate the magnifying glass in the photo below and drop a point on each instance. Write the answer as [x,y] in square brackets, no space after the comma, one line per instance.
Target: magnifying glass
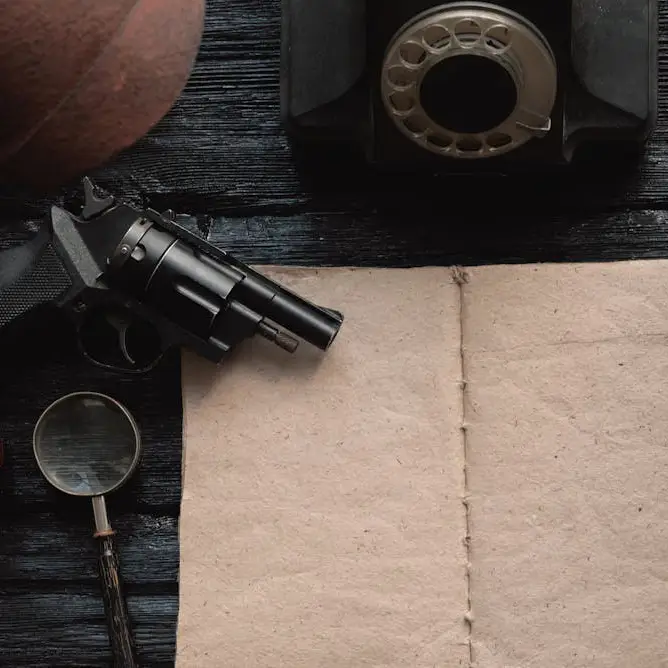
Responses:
[88,444]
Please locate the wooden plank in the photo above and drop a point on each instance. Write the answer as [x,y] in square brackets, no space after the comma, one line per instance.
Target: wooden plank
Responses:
[58,546]
[68,629]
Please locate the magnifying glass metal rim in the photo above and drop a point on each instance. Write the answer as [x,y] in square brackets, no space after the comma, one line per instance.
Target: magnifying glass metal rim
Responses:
[104,397]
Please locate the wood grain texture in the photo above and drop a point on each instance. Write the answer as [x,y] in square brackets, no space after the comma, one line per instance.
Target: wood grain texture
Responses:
[221,155]
[50,595]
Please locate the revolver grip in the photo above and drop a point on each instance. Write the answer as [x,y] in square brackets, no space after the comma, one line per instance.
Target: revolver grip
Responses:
[31,276]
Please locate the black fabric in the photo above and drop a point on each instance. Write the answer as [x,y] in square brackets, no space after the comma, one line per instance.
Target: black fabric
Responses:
[222,156]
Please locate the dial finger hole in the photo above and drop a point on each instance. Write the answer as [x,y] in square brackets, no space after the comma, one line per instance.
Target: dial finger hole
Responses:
[437,37]
[498,140]
[415,124]
[468,32]
[400,77]
[497,38]
[440,141]
[402,102]
[469,145]
[412,53]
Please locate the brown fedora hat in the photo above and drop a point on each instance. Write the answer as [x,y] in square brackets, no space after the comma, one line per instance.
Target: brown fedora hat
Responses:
[80,80]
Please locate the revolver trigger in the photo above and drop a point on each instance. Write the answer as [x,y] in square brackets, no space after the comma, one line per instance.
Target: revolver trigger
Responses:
[123,343]
[121,325]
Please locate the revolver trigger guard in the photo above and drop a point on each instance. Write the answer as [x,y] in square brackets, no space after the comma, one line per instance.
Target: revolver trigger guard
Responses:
[112,339]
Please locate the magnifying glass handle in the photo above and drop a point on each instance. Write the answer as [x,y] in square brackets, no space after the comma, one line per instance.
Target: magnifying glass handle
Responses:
[118,619]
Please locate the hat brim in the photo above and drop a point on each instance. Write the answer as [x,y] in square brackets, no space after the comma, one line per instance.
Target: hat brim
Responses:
[130,87]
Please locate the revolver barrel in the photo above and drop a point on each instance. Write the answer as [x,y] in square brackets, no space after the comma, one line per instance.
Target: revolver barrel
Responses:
[316,325]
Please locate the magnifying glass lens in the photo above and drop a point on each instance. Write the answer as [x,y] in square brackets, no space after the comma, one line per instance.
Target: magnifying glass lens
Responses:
[86,445]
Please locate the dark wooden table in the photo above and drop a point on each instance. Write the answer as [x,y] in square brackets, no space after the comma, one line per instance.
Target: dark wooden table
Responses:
[222,156]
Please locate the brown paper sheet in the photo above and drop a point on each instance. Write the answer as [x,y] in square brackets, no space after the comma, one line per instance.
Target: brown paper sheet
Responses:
[323,522]
[567,447]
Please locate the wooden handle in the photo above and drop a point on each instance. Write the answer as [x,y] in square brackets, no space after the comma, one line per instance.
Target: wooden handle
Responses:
[118,620]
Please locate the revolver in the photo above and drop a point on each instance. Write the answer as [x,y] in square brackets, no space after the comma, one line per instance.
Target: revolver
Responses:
[136,283]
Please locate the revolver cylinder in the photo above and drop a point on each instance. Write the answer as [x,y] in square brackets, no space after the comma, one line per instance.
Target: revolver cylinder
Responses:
[221,302]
